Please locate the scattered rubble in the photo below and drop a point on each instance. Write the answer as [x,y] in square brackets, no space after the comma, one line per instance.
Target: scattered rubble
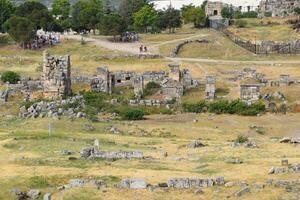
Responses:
[194,182]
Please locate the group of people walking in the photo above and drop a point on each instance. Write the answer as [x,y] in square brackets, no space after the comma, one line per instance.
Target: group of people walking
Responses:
[143,49]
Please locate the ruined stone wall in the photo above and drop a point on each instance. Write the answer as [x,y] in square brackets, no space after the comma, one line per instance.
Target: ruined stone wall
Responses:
[103,82]
[214,8]
[138,85]
[56,76]
[278,8]
[210,88]
[250,93]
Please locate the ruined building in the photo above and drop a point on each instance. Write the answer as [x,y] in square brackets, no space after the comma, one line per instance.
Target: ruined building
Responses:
[104,81]
[210,87]
[284,80]
[214,8]
[278,8]
[56,76]
[250,93]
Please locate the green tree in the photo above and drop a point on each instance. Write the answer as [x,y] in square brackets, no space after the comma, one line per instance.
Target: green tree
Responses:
[36,12]
[21,29]
[169,19]
[297,10]
[129,7]
[144,18]
[227,12]
[86,15]
[112,24]
[6,10]
[194,15]
[62,8]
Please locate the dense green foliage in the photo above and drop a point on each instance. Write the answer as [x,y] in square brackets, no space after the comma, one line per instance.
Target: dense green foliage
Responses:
[132,114]
[144,18]
[6,10]
[112,24]
[10,77]
[36,13]
[195,15]
[61,8]
[225,107]
[151,88]
[20,29]
[86,15]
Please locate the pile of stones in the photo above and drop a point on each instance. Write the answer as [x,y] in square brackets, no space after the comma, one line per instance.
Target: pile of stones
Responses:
[288,169]
[71,107]
[31,194]
[290,140]
[195,144]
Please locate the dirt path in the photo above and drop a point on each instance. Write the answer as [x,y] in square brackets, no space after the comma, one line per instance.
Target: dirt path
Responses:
[130,48]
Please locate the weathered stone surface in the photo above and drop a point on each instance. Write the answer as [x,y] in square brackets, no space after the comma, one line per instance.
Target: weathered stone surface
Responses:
[33,194]
[194,182]
[56,76]
[92,153]
[233,160]
[54,109]
[288,169]
[77,182]
[47,196]
[195,144]
[133,184]
[242,191]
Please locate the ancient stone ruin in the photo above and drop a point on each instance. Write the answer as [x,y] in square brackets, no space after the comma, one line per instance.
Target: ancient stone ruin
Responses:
[173,83]
[249,93]
[210,88]
[195,182]
[278,8]
[103,81]
[56,76]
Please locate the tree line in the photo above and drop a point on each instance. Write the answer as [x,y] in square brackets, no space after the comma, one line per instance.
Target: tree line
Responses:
[21,22]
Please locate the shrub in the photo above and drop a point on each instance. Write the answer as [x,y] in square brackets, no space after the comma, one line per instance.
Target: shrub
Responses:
[241,23]
[151,88]
[11,77]
[198,107]
[96,100]
[241,139]
[225,107]
[132,114]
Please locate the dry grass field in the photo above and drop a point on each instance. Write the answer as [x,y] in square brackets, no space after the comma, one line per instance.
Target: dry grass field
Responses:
[32,159]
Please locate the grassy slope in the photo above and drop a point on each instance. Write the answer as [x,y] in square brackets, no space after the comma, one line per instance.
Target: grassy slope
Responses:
[34,161]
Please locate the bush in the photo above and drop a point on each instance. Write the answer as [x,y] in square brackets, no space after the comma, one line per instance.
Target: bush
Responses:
[225,107]
[241,23]
[198,107]
[11,77]
[151,88]
[96,100]
[241,139]
[132,114]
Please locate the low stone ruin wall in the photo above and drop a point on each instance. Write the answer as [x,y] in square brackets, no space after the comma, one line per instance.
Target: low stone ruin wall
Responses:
[92,153]
[195,182]
[265,47]
[180,45]
[142,102]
